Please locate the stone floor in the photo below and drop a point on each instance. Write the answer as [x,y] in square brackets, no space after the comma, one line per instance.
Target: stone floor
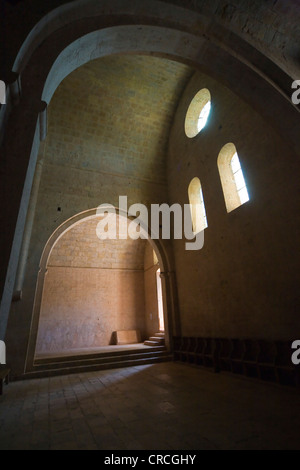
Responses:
[153,407]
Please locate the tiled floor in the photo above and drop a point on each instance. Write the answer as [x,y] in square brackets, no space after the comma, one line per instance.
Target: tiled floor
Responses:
[153,407]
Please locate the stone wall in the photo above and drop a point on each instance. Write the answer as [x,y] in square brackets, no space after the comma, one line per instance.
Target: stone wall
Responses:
[243,283]
[108,131]
[83,307]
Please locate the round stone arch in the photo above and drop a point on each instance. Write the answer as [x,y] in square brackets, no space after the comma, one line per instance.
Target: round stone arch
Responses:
[165,263]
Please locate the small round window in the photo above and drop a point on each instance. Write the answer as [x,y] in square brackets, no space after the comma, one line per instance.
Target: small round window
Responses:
[197,113]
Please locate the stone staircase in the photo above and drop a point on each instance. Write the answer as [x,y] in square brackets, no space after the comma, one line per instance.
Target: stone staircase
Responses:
[157,340]
[52,366]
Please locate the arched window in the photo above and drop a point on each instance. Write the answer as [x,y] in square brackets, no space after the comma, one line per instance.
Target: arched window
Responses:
[203,116]
[197,113]
[197,206]
[232,178]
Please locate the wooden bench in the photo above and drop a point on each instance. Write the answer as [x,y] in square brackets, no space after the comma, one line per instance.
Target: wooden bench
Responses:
[250,359]
[225,351]
[237,355]
[266,360]
[200,351]
[4,376]
[286,372]
[210,354]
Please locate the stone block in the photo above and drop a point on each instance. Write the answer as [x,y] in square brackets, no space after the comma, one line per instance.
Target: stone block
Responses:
[128,336]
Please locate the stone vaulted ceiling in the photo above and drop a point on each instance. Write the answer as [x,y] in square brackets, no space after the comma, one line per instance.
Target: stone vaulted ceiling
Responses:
[113,116]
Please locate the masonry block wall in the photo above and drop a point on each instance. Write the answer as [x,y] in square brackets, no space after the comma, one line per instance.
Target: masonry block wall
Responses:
[108,130]
[244,282]
[83,307]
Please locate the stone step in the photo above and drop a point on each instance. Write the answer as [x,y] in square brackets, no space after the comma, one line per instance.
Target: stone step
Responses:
[157,339]
[95,355]
[62,363]
[115,364]
[151,342]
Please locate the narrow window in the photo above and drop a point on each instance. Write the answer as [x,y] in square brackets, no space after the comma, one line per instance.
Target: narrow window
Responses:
[160,302]
[239,179]
[155,259]
[232,178]
[197,113]
[198,213]
[203,116]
